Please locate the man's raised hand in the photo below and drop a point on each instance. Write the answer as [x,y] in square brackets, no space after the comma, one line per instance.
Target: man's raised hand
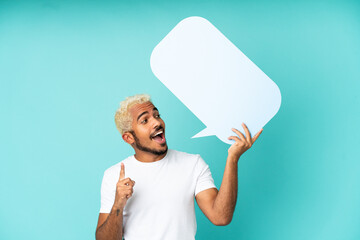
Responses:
[124,189]
[243,143]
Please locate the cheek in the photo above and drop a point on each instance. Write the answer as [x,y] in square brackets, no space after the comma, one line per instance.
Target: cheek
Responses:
[145,134]
[141,132]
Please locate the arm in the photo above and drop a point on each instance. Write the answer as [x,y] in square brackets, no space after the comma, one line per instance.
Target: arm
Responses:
[225,201]
[219,206]
[110,225]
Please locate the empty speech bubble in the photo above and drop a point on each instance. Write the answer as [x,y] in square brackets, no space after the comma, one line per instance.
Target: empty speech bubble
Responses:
[214,79]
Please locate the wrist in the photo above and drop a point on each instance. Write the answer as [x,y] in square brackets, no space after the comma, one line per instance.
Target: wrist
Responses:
[233,158]
[118,206]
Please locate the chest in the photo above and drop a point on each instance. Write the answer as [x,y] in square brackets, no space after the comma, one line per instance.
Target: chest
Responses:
[166,187]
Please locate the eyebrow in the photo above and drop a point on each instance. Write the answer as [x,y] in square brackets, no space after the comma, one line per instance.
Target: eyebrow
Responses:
[154,109]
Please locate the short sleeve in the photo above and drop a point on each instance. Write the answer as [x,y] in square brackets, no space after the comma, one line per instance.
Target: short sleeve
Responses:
[107,194]
[204,179]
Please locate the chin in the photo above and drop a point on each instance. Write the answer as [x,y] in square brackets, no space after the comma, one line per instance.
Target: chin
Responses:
[164,149]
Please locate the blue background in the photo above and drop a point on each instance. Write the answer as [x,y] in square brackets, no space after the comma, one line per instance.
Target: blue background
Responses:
[66,65]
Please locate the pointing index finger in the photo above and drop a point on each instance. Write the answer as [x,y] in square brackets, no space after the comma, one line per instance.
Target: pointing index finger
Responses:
[122,172]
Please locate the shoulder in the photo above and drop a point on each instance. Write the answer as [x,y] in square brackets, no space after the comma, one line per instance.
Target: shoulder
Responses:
[177,153]
[190,159]
[184,157]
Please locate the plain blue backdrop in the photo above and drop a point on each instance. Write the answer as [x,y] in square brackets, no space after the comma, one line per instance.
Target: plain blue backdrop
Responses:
[66,65]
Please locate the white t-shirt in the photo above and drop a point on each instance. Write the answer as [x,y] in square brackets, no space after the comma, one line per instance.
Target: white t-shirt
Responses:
[162,204]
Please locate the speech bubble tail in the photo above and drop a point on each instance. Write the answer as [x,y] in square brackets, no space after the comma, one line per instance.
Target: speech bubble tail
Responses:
[204,133]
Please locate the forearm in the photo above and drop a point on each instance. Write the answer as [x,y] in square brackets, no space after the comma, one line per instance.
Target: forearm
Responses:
[111,229]
[225,201]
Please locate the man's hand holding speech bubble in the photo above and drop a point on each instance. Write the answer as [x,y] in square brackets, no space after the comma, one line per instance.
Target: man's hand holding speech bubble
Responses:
[241,144]
[211,76]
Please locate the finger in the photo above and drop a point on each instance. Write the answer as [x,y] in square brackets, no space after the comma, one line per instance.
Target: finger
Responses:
[257,135]
[247,133]
[128,188]
[127,182]
[122,172]
[239,133]
[128,193]
[234,138]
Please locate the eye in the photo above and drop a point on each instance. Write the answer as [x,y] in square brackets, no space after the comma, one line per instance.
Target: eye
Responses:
[157,115]
[144,121]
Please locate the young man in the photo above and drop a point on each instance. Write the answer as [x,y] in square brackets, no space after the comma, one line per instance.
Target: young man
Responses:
[161,203]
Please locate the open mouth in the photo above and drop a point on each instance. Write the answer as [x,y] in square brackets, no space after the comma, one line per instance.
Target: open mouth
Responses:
[159,138]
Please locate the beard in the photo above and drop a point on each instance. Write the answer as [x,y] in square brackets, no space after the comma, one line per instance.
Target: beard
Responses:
[141,147]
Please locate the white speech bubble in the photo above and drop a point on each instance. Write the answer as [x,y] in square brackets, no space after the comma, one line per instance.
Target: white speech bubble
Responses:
[214,79]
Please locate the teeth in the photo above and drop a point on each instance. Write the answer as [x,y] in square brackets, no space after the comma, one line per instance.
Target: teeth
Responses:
[158,133]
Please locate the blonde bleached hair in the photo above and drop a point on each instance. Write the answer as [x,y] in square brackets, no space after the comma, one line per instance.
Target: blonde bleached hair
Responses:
[123,118]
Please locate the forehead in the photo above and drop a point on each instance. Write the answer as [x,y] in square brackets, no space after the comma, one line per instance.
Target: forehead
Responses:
[137,109]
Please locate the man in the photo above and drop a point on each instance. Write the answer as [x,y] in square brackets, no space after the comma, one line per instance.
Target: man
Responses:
[161,203]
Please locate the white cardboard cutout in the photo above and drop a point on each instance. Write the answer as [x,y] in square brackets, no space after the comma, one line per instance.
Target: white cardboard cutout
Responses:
[214,79]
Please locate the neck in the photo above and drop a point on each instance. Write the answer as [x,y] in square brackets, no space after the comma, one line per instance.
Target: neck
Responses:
[147,157]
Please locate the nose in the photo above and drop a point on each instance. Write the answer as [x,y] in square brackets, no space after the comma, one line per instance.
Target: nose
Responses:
[155,123]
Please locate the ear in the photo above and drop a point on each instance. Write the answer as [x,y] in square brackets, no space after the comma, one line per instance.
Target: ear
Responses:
[128,137]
